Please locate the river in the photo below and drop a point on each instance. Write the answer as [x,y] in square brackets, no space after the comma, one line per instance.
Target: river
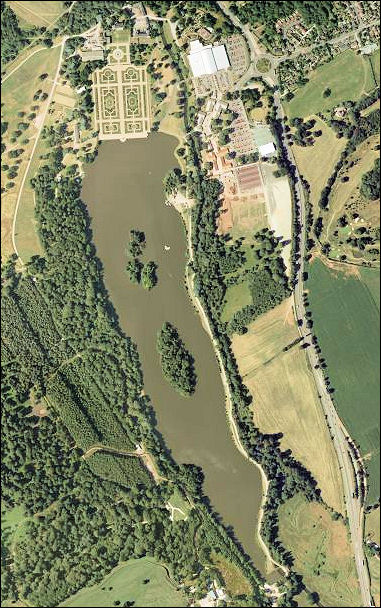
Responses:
[123,190]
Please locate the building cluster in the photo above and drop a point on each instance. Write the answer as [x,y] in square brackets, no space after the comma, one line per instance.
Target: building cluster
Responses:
[93,47]
[140,28]
[215,68]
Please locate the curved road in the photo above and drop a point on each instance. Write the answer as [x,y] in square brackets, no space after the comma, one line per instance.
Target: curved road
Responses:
[354,508]
[348,466]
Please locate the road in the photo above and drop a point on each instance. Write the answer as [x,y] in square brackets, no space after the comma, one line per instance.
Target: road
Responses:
[336,428]
[339,435]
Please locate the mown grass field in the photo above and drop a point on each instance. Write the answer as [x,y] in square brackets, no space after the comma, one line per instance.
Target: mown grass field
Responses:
[316,163]
[348,75]
[38,13]
[126,583]
[285,398]
[17,95]
[347,323]
[237,296]
[322,551]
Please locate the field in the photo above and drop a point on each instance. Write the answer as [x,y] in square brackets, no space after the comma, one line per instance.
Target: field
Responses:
[372,525]
[348,76]
[284,395]
[37,13]
[316,163]
[126,583]
[375,61]
[322,551]
[248,215]
[346,320]
[374,571]
[235,582]
[345,193]
[18,91]
[237,296]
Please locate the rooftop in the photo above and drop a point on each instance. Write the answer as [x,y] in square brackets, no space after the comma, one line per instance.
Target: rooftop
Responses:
[207,59]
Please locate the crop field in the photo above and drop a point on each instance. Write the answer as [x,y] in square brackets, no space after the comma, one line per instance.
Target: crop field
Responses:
[348,76]
[322,551]
[237,296]
[346,321]
[38,13]
[126,583]
[316,163]
[284,395]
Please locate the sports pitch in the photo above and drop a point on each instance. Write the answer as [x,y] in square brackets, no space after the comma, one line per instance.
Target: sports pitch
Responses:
[121,97]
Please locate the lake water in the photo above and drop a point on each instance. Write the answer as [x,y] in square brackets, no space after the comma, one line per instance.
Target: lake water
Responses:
[123,190]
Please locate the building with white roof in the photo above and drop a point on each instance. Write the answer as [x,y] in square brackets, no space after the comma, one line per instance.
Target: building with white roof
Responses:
[205,60]
[267,149]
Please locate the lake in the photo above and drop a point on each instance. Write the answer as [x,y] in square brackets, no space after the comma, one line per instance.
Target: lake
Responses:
[123,191]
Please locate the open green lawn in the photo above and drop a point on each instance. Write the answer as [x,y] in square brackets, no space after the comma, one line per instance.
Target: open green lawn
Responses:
[126,583]
[348,75]
[347,323]
[237,296]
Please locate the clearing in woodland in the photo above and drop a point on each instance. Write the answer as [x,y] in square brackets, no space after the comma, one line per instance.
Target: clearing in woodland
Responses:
[285,398]
[143,582]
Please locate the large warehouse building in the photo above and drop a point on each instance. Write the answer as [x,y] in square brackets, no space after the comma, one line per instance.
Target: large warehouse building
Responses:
[207,59]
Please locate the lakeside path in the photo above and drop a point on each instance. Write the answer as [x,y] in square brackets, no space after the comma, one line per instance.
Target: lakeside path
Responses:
[189,277]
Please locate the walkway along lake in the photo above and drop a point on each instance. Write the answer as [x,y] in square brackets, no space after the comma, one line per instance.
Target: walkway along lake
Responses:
[123,190]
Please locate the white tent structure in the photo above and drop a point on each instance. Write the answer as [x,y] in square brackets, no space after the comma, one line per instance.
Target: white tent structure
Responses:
[207,59]
[267,149]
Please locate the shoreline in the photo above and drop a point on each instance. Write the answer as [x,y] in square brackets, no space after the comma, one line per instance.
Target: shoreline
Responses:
[270,563]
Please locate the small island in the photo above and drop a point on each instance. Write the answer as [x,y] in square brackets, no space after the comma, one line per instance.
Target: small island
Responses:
[176,361]
[138,272]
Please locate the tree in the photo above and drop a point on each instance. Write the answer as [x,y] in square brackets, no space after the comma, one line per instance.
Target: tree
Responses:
[148,275]
[327,92]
